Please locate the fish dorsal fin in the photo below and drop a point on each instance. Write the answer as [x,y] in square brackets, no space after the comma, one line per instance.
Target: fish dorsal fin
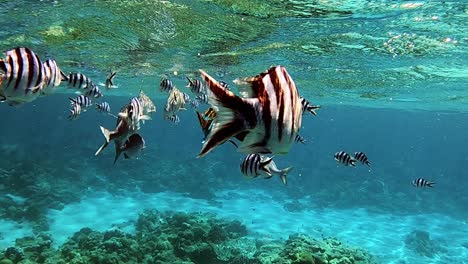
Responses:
[252,87]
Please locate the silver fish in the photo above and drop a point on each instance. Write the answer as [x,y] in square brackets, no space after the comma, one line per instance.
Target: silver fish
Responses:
[175,103]
[267,117]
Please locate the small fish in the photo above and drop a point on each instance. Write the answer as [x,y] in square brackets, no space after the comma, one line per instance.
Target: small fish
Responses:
[132,148]
[110,80]
[22,76]
[360,156]
[300,139]
[308,107]
[194,103]
[77,80]
[82,100]
[166,85]
[266,117]
[224,85]
[420,182]
[345,158]
[195,86]
[202,98]
[148,106]
[174,119]
[53,77]
[75,111]
[103,107]
[94,92]
[254,165]
[135,113]
[175,103]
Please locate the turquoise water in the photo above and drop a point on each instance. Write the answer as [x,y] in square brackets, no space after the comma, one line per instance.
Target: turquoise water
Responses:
[390,76]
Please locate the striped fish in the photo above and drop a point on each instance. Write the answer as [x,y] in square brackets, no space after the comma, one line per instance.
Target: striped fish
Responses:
[110,80]
[299,139]
[254,165]
[22,76]
[75,111]
[166,85]
[345,158]
[361,157]
[174,119]
[195,86]
[94,92]
[147,104]
[224,85]
[77,80]
[202,98]
[308,107]
[134,114]
[53,76]
[103,107]
[420,182]
[194,103]
[82,100]
[266,119]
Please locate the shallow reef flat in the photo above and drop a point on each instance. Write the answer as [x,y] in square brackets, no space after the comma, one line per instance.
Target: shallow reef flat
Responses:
[181,238]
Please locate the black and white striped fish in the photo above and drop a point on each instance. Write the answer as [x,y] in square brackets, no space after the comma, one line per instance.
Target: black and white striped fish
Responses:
[194,103]
[110,80]
[195,86]
[22,76]
[166,85]
[361,157]
[53,76]
[82,100]
[135,113]
[75,111]
[345,158]
[420,182]
[186,97]
[202,98]
[308,107]
[266,119]
[94,92]
[103,107]
[254,165]
[300,139]
[174,119]
[78,80]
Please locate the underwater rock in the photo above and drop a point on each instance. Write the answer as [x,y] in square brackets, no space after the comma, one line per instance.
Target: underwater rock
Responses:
[420,242]
[14,254]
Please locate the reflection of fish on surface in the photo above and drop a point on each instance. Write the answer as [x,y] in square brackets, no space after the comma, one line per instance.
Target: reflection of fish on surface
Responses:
[266,118]
[254,165]
[131,148]
[22,76]
[110,80]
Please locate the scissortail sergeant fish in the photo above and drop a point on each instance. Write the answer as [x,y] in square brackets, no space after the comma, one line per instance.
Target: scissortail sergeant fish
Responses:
[77,80]
[202,98]
[75,111]
[103,107]
[420,182]
[53,76]
[166,85]
[345,158]
[174,119]
[308,107]
[94,92]
[82,100]
[361,157]
[254,165]
[22,76]
[265,119]
[135,113]
[195,86]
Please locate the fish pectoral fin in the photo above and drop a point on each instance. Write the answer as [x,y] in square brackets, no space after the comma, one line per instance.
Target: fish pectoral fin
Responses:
[145,117]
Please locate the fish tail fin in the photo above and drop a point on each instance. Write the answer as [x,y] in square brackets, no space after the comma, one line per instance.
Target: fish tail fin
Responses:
[107,134]
[284,173]
[368,164]
[118,151]
[234,114]
[430,184]
[101,148]
[353,162]
[64,77]
[312,109]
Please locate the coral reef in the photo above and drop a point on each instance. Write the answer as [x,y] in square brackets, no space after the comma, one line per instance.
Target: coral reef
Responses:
[180,238]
